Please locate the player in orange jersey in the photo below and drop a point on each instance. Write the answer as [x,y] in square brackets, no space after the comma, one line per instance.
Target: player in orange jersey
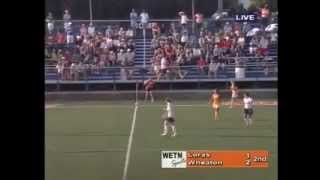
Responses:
[234,93]
[215,104]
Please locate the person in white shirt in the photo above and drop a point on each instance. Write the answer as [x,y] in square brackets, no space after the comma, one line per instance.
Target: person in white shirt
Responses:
[184,39]
[163,65]
[227,28]
[73,71]
[213,68]
[66,16]
[60,68]
[248,109]
[133,19]
[183,20]
[91,30]
[50,24]
[144,19]
[83,30]
[169,118]
[66,19]
[241,41]
[70,38]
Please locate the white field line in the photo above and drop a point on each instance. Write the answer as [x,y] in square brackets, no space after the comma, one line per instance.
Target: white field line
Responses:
[74,106]
[126,164]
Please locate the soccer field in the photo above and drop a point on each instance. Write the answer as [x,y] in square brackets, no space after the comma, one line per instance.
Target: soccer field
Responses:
[88,141]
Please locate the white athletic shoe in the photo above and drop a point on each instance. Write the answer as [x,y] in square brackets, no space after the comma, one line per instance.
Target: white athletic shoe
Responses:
[173,135]
[163,134]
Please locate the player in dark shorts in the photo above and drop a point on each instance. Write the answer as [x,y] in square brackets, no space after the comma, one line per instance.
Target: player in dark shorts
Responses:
[248,109]
[149,86]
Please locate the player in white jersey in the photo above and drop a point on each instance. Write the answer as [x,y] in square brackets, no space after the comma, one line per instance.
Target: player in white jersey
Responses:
[169,118]
[248,109]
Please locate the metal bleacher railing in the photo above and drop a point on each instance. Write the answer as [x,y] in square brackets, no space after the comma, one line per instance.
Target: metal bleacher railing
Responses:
[254,68]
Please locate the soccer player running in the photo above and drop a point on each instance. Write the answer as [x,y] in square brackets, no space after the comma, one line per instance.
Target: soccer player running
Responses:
[248,109]
[234,93]
[169,119]
[149,85]
[215,104]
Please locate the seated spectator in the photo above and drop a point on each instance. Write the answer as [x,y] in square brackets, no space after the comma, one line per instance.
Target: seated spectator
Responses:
[213,69]
[263,46]
[163,66]
[130,57]
[273,37]
[121,58]
[53,56]
[112,58]
[121,33]
[51,40]
[129,33]
[241,41]
[201,63]
[184,39]
[227,27]
[253,45]
[130,62]
[60,68]
[60,39]
[154,44]
[246,27]
[67,27]
[73,71]
[188,56]
[109,32]
[70,38]
[83,30]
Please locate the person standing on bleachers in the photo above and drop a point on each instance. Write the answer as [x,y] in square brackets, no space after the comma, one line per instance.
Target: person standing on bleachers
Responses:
[144,19]
[50,22]
[91,30]
[67,20]
[265,15]
[183,20]
[133,20]
[199,21]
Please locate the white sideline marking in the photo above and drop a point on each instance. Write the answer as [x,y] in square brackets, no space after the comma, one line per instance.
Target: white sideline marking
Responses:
[49,106]
[126,164]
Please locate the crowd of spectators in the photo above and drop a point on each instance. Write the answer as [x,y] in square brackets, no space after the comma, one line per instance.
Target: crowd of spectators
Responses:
[78,52]
[209,49]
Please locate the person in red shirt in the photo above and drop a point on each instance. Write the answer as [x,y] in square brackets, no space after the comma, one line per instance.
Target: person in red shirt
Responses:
[155,30]
[60,38]
[168,53]
[201,65]
[149,85]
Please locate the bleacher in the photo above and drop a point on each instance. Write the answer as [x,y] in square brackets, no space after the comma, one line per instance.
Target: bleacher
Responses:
[142,69]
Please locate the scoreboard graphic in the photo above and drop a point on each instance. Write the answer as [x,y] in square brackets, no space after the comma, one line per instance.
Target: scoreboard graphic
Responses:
[214,159]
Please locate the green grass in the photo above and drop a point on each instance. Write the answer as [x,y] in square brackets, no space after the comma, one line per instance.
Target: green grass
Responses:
[89,141]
